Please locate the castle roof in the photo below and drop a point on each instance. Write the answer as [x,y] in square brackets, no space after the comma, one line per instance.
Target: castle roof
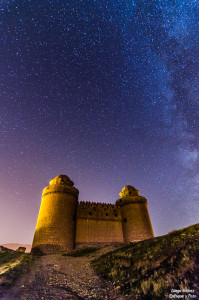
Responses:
[129,190]
[61,179]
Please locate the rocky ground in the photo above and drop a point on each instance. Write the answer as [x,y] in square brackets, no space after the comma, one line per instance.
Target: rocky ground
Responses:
[63,277]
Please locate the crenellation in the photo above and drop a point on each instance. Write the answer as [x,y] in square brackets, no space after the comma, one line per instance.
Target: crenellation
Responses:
[64,223]
[103,211]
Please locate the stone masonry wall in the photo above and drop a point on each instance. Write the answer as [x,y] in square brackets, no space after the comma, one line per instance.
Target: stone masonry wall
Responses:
[98,223]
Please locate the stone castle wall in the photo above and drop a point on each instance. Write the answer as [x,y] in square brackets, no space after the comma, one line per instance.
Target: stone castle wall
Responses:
[64,223]
[98,223]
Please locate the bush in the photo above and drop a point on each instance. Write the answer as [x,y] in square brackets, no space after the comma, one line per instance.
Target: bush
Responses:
[81,252]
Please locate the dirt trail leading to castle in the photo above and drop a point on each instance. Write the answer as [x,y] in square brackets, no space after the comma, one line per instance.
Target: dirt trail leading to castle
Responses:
[63,277]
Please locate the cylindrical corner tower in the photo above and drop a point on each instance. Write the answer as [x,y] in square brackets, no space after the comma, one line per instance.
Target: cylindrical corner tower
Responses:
[136,222]
[55,229]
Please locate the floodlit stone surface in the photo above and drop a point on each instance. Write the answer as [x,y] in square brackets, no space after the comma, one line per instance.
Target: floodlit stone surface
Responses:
[55,229]
[64,223]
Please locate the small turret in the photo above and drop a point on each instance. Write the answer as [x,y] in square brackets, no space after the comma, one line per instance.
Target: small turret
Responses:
[136,222]
[55,229]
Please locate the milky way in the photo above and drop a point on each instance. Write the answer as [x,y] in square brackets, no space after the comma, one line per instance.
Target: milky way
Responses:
[106,92]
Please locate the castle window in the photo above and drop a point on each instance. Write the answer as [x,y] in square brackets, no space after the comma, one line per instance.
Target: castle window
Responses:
[129,193]
[90,213]
[125,220]
[107,215]
[115,215]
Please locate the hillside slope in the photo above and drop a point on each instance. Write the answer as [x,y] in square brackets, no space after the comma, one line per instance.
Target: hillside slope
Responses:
[57,277]
[152,268]
[15,246]
[13,264]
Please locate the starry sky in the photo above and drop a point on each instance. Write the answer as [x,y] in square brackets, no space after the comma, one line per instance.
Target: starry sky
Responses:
[106,92]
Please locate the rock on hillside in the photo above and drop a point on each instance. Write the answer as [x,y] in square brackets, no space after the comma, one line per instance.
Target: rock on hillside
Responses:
[152,268]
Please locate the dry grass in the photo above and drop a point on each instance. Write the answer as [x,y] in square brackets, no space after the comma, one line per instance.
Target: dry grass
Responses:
[13,264]
[156,265]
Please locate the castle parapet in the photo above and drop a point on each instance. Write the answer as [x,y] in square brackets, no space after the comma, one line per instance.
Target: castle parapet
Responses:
[53,189]
[102,211]
[131,199]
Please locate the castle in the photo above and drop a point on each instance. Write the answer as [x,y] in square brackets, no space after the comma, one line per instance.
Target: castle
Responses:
[64,223]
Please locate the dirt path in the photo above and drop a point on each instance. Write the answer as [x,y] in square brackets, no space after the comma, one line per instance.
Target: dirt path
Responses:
[63,277]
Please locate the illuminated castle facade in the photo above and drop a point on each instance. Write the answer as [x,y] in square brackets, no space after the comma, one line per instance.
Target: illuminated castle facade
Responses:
[64,223]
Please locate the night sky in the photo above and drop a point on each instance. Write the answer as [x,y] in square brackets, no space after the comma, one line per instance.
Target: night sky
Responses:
[106,92]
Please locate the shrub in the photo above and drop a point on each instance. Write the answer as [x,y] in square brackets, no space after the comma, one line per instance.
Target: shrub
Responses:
[81,252]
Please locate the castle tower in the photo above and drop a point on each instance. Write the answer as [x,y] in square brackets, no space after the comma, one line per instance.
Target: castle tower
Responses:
[136,222]
[55,229]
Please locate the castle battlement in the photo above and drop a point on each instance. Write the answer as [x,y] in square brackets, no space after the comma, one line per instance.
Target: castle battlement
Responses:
[64,223]
[98,211]
[97,205]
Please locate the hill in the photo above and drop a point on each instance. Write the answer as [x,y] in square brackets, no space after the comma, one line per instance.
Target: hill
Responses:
[154,268]
[15,246]
[58,277]
[13,264]
[158,268]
